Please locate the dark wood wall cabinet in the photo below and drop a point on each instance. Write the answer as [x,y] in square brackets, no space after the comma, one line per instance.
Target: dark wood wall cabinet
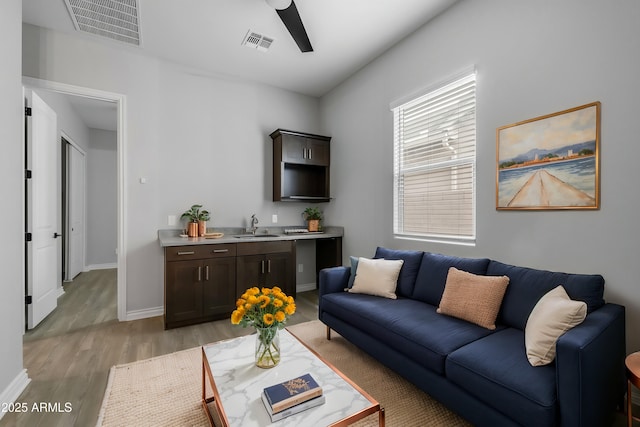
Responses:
[301,164]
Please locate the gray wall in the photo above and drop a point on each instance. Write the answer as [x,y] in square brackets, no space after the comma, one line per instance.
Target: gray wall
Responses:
[195,139]
[101,199]
[533,58]
[11,194]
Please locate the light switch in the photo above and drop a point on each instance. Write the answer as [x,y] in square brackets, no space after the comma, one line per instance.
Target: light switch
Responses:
[171,220]
[274,218]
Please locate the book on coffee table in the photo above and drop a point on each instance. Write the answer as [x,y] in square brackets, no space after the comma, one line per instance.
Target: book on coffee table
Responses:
[316,401]
[292,392]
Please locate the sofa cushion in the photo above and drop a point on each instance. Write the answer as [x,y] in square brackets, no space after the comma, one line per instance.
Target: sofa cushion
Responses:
[551,317]
[409,326]
[433,272]
[496,371]
[527,286]
[409,271]
[377,277]
[473,297]
[354,267]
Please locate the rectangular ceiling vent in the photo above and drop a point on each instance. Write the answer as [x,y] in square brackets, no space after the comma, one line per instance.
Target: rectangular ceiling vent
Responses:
[257,41]
[114,19]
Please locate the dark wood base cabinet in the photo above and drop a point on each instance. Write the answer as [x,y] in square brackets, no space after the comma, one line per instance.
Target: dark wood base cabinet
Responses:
[200,284]
[266,264]
[203,282]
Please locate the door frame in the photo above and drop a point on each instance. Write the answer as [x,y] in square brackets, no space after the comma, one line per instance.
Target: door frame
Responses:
[66,226]
[120,101]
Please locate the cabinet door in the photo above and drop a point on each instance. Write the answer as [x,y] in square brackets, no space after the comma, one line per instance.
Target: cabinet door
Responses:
[317,152]
[219,286]
[294,149]
[183,291]
[280,272]
[302,150]
[249,272]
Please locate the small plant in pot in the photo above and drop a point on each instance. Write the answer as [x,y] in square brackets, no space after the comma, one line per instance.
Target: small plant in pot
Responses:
[313,217]
[197,221]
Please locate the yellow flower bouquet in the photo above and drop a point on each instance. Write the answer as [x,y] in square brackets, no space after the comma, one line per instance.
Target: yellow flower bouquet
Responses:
[267,310]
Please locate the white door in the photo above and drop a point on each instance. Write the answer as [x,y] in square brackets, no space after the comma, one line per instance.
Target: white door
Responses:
[42,213]
[76,189]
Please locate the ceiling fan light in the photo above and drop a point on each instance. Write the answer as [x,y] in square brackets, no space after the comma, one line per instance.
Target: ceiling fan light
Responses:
[279,4]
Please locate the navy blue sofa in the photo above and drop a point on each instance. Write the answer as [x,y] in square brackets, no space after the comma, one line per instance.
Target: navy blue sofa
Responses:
[484,375]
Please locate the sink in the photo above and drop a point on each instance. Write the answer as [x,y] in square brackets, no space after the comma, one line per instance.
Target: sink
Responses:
[254,236]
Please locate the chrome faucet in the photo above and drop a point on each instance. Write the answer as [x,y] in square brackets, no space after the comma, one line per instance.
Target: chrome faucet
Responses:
[254,221]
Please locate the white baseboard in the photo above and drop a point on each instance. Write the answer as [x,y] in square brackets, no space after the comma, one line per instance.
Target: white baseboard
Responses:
[306,287]
[144,313]
[13,391]
[107,266]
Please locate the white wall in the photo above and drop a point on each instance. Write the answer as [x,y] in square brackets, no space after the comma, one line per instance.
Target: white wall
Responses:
[533,58]
[12,375]
[194,138]
[101,199]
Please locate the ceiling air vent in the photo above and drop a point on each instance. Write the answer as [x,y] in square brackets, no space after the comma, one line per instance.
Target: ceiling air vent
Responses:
[114,19]
[257,41]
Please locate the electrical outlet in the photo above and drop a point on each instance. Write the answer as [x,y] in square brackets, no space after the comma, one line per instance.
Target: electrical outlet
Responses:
[300,268]
[274,218]
[171,220]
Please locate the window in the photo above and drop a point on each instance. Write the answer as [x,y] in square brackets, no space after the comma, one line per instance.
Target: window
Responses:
[434,163]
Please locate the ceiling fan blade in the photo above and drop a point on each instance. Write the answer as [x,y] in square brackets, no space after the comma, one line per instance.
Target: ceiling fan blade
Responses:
[291,19]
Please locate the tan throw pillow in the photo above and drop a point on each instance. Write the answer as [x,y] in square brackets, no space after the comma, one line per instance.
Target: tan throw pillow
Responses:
[377,277]
[553,315]
[473,298]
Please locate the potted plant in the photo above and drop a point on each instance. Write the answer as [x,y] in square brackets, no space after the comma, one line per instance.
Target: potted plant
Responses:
[313,217]
[197,221]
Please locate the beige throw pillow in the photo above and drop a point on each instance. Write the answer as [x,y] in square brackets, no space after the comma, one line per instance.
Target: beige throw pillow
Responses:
[473,298]
[377,277]
[553,315]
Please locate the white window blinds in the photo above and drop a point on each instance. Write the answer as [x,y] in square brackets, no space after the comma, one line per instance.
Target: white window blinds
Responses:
[434,163]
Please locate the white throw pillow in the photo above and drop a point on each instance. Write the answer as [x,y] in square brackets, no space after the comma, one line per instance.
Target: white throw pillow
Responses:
[377,277]
[553,315]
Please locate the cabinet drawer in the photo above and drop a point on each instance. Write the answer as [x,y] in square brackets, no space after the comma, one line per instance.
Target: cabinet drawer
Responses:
[180,253]
[259,248]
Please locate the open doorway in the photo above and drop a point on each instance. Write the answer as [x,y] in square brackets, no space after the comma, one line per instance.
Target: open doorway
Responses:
[117,103]
[81,147]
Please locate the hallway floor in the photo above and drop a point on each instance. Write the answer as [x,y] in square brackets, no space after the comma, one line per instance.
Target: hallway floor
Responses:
[68,356]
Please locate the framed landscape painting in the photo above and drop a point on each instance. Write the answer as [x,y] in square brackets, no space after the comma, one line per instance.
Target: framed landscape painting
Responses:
[550,162]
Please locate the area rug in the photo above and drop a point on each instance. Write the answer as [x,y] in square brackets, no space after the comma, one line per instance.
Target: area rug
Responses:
[166,390]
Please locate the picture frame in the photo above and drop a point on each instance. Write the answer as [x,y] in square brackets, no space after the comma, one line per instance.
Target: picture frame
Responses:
[550,162]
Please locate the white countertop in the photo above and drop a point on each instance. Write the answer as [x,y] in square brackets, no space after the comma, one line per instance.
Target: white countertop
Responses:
[172,237]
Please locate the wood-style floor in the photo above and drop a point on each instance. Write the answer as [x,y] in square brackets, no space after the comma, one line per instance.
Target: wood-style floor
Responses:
[68,356]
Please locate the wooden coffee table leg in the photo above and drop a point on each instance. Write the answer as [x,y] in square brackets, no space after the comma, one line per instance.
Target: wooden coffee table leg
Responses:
[381,417]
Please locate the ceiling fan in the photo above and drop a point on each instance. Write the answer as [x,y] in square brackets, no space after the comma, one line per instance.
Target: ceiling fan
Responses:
[288,13]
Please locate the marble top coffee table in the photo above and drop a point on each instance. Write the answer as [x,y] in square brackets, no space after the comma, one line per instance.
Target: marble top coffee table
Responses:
[230,373]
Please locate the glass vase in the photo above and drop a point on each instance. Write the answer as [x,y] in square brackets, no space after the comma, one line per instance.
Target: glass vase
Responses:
[267,347]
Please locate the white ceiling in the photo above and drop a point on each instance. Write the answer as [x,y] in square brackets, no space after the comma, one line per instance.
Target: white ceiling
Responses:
[207,35]
[95,114]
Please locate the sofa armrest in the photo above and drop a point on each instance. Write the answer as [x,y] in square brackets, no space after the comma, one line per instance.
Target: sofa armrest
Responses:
[334,279]
[590,368]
